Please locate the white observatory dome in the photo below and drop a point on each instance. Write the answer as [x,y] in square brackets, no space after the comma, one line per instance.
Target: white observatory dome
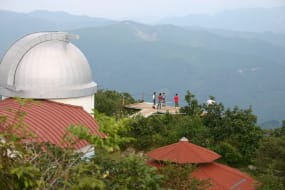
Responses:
[45,65]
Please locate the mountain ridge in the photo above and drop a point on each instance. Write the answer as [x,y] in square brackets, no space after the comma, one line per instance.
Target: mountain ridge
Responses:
[243,19]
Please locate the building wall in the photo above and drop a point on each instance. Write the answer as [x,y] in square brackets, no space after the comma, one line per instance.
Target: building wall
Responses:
[86,102]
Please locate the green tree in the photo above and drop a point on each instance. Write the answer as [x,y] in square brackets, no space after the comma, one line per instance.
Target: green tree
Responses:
[15,170]
[230,154]
[112,103]
[178,176]
[148,132]
[192,107]
[270,182]
[213,120]
[128,172]
[270,158]
[151,132]
[115,129]
[236,127]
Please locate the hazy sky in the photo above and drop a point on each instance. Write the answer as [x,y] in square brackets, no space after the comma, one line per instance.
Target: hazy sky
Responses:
[135,9]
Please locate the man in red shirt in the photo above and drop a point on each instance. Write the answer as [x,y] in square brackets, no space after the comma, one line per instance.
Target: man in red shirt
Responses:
[176,100]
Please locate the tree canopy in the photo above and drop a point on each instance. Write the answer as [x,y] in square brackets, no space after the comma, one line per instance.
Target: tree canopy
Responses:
[119,161]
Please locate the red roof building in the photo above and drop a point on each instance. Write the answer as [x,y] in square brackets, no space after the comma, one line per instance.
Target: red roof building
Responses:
[183,152]
[49,120]
[221,177]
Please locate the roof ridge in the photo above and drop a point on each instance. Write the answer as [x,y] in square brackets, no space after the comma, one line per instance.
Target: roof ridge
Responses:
[60,103]
[47,100]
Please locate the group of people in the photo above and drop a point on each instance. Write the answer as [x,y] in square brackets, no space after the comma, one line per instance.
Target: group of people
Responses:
[161,100]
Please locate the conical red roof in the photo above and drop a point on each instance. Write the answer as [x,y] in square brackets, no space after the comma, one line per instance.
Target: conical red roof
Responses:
[183,152]
[223,177]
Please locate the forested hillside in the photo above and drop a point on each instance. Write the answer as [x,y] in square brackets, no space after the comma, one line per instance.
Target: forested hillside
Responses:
[238,68]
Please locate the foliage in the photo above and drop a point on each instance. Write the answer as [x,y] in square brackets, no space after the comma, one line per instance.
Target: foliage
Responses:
[147,131]
[277,132]
[34,165]
[193,129]
[128,172]
[15,171]
[151,132]
[193,107]
[177,176]
[231,154]
[270,159]
[270,182]
[112,103]
[115,129]
[26,164]
[236,127]
[231,132]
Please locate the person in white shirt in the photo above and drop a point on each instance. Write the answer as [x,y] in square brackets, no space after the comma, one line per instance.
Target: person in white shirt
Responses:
[210,102]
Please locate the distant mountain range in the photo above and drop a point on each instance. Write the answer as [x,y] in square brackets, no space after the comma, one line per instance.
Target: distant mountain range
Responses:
[14,25]
[238,68]
[249,19]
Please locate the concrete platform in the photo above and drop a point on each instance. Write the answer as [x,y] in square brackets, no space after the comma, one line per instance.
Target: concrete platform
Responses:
[145,109]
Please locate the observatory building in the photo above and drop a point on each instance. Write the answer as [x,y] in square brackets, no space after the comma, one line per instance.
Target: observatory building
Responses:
[46,65]
[49,69]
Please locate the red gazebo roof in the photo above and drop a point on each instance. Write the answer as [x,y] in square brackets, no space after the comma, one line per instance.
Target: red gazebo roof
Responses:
[223,177]
[48,120]
[183,152]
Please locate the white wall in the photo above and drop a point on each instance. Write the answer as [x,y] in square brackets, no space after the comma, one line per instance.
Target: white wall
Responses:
[86,102]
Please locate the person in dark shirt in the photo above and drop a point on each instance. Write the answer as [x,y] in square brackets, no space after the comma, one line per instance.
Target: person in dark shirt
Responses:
[160,99]
[154,99]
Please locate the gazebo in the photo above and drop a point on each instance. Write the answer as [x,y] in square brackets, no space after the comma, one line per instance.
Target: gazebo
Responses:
[220,176]
[183,152]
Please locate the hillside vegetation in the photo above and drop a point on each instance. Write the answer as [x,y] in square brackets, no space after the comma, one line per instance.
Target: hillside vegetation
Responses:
[120,160]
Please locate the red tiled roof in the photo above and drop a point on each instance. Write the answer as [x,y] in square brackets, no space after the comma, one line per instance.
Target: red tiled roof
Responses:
[49,120]
[183,152]
[223,177]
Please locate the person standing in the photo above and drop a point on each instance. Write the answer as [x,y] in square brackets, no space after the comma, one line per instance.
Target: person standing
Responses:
[154,99]
[176,100]
[160,98]
[210,102]
[163,99]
